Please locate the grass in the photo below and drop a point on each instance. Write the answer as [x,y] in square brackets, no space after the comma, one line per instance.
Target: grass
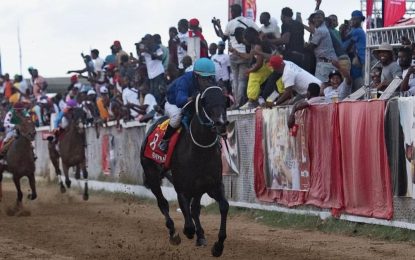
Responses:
[313,223]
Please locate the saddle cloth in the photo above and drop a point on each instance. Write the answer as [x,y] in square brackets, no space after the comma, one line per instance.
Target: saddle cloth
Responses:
[152,150]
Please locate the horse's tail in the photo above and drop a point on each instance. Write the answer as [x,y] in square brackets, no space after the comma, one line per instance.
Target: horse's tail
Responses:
[151,129]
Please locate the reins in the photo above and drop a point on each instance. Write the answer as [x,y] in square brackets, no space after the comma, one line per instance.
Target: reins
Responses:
[210,122]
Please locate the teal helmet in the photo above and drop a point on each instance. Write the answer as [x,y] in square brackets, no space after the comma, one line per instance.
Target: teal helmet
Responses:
[204,67]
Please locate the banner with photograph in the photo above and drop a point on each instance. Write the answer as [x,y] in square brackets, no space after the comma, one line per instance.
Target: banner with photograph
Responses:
[230,151]
[285,156]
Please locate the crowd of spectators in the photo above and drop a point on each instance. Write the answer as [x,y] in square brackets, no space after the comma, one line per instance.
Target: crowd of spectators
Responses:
[266,66]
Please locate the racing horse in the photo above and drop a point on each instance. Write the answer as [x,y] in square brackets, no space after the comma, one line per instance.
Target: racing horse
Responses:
[196,168]
[71,146]
[20,159]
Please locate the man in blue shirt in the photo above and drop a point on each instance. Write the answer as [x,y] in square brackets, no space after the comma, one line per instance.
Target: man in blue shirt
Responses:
[356,40]
[183,90]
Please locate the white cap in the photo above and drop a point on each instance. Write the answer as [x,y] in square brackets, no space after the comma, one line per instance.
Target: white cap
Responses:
[91,92]
[103,90]
[43,100]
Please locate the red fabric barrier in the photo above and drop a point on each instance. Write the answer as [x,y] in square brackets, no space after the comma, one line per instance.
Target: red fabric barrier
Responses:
[366,176]
[324,149]
[348,161]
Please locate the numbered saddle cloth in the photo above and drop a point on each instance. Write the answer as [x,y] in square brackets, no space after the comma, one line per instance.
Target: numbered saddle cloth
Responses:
[152,150]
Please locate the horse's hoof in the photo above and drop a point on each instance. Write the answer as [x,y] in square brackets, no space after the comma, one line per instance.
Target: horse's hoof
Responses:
[68,184]
[85,197]
[175,239]
[32,196]
[201,242]
[63,190]
[217,249]
[189,232]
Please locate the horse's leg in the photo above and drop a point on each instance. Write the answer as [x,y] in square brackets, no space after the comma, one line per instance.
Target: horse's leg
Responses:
[189,226]
[16,180]
[32,184]
[152,179]
[85,176]
[219,196]
[65,171]
[54,157]
[200,233]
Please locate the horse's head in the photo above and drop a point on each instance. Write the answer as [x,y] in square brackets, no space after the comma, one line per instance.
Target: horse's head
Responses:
[27,128]
[77,120]
[211,109]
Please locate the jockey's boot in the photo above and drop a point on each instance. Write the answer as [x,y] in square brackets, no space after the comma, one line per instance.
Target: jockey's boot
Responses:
[164,143]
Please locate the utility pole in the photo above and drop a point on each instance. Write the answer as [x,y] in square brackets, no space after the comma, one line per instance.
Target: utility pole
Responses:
[20,49]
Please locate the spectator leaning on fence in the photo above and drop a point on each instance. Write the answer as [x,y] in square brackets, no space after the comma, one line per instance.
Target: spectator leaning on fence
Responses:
[294,78]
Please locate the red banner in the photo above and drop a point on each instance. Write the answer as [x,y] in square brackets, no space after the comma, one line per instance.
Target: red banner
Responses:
[393,11]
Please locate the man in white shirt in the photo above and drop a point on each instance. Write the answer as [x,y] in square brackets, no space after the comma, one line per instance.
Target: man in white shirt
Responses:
[239,64]
[222,63]
[294,78]
[98,64]
[183,38]
[130,99]
[153,56]
[270,25]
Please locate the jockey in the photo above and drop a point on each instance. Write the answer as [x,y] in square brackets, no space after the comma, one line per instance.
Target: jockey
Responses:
[183,90]
[60,121]
[11,120]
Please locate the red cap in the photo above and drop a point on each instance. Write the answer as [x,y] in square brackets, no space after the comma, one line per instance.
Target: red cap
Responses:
[194,22]
[276,62]
[74,79]
[117,44]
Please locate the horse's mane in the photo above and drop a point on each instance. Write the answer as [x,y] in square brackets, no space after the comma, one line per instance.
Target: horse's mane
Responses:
[78,113]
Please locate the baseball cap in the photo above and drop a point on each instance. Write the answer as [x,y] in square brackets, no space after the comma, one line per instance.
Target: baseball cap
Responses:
[193,22]
[276,62]
[103,90]
[334,73]
[117,43]
[91,92]
[204,67]
[358,14]
[74,78]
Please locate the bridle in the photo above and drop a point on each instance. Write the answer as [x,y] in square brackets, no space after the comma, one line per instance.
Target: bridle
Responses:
[209,123]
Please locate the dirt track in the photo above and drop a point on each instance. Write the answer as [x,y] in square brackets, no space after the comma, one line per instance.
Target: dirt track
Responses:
[114,227]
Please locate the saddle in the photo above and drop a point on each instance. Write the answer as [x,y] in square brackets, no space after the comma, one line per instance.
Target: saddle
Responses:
[151,148]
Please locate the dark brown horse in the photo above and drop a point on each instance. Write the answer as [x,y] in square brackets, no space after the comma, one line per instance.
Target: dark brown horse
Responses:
[71,150]
[196,169]
[20,159]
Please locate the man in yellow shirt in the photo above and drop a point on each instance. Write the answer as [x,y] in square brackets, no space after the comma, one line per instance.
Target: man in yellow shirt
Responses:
[103,104]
